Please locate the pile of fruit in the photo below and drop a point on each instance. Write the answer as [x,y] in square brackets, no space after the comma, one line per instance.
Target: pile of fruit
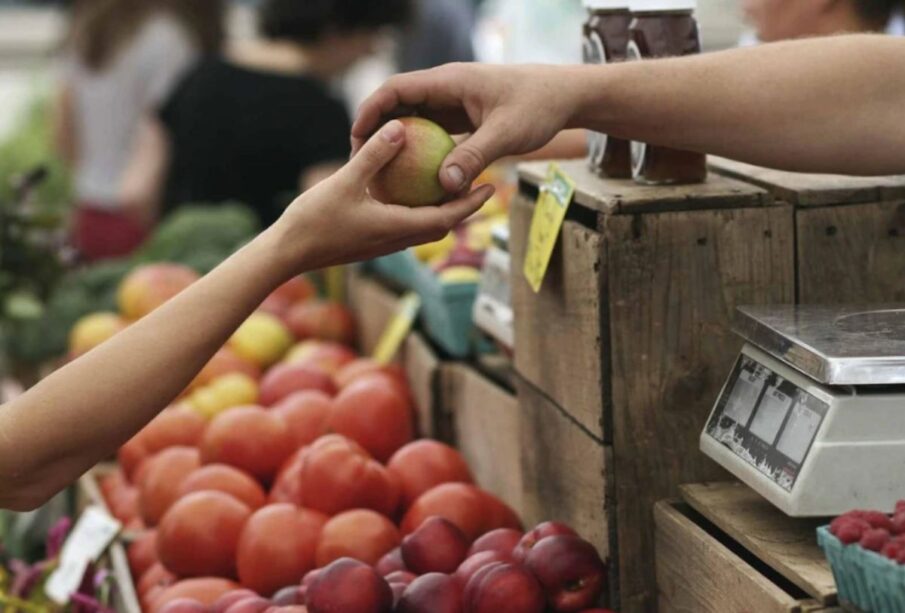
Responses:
[874,531]
[287,478]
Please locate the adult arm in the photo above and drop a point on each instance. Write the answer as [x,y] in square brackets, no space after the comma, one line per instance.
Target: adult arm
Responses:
[83,412]
[819,105]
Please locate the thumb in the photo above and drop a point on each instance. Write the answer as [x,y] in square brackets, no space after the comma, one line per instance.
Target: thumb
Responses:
[469,159]
[376,152]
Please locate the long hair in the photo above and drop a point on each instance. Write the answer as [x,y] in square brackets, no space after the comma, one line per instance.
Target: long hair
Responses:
[100,28]
[203,19]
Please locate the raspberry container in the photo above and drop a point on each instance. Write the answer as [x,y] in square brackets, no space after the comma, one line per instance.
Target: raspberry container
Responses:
[867,580]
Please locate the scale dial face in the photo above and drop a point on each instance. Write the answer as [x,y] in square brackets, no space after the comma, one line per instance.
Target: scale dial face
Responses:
[766,420]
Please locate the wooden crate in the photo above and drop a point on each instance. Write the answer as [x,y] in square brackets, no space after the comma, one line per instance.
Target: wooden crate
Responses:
[374,305]
[484,424]
[566,471]
[724,549]
[630,332]
[850,232]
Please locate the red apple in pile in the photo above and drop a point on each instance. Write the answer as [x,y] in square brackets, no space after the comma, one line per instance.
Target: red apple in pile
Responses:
[284,379]
[531,538]
[570,571]
[499,588]
[431,593]
[437,546]
[351,587]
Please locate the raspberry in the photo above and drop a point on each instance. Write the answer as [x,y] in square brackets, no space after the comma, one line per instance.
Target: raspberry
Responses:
[874,539]
[851,530]
[898,522]
[878,520]
[892,549]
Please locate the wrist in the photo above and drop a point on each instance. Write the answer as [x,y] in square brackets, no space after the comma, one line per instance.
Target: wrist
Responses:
[591,91]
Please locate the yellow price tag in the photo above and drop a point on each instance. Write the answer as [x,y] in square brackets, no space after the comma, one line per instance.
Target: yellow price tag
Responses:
[549,213]
[334,283]
[398,328]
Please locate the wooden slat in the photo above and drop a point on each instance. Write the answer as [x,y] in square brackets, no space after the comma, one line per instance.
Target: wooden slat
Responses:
[564,471]
[852,254]
[807,189]
[674,282]
[373,305]
[558,331]
[485,420]
[697,574]
[422,366]
[786,544]
[625,196]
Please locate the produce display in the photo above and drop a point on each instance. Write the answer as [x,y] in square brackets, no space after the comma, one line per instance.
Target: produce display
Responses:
[287,477]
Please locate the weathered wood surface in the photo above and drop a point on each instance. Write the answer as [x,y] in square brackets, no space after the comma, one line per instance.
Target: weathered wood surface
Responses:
[613,196]
[422,367]
[674,280]
[564,470]
[851,254]
[696,573]
[485,421]
[808,189]
[786,544]
[373,305]
[558,344]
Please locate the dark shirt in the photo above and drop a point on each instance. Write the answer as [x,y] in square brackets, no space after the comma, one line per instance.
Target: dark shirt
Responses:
[243,135]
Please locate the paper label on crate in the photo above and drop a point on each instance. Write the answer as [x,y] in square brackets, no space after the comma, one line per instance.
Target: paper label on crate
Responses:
[553,201]
[92,534]
[398,328]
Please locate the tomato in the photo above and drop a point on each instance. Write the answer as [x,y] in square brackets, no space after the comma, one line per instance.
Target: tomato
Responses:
[305,414]
[373,413]
[227,479]
[249,438]
[160,485]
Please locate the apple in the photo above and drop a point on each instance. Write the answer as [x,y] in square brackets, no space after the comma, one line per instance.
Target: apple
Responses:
[349,586]
[570,571]
[412,178]
[290,595]
[252,604]
[328,321]
[432,593]
[503,540]
[229,599]
[504,588]
[436,546]
[400,576]
[398,590]
[183,605]
[476,562]
[548,528]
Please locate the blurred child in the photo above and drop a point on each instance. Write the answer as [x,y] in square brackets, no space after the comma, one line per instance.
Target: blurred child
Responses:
[122,58]
[257,123]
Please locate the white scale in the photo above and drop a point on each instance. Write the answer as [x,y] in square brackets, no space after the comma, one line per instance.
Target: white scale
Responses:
[493,305]
[812,415]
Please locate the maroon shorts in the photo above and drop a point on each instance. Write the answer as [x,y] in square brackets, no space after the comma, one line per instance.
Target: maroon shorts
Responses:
[100,234]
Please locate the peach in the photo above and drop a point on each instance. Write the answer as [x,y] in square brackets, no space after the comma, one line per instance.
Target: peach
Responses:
[205,590]
[372,413]
[360,534]
[132,453]
[569,570]
[228,599]
[325,356]
[328,321]
[184,605]
[92,330]
[249,438]
[351,587]
[177,426]
[423,464]
[412,178]
[262,339]
[226,479]
[366,366]
[290,595]
[142,553]
[461,503]
[542,530]
[437,546]
[400,576]
[476,562]
[391,562]
[432,593]
[286,378]
[165,474]
[305,414]
[147,287]
[502,540]
[252,604]
[224,362]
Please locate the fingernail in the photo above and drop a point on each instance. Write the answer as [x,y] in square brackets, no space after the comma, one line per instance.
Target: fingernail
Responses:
[455,176]
[393,131]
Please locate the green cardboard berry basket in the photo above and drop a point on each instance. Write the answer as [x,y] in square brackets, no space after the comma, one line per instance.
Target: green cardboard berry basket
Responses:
[446,308]
[864,579]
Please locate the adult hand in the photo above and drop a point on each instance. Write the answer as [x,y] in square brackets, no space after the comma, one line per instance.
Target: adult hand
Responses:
[336,221]
[508,110]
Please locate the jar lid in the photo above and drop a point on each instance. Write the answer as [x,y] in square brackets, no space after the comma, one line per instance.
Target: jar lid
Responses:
[641,6]
[605,5]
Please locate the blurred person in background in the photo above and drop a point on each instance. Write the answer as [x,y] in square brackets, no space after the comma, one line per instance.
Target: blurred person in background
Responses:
[439,33]
[259,122]
[121,59]
[775,20]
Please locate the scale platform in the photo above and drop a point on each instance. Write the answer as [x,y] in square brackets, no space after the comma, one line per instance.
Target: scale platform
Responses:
[812,415]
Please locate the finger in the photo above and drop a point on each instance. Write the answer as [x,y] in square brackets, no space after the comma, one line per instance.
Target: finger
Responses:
[376,153]
[433,220]
[469,159]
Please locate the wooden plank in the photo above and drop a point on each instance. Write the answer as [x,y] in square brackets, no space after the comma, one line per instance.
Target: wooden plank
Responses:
[558,331]
[851,254]
[422,366]
[809,189]
[486,423]
[373,305]
[674,282]
[786,544]
[696,573]
[625,196]
[564,471]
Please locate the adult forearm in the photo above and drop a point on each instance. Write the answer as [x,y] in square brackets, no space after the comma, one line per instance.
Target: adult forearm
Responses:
[84,411]
[821,105]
